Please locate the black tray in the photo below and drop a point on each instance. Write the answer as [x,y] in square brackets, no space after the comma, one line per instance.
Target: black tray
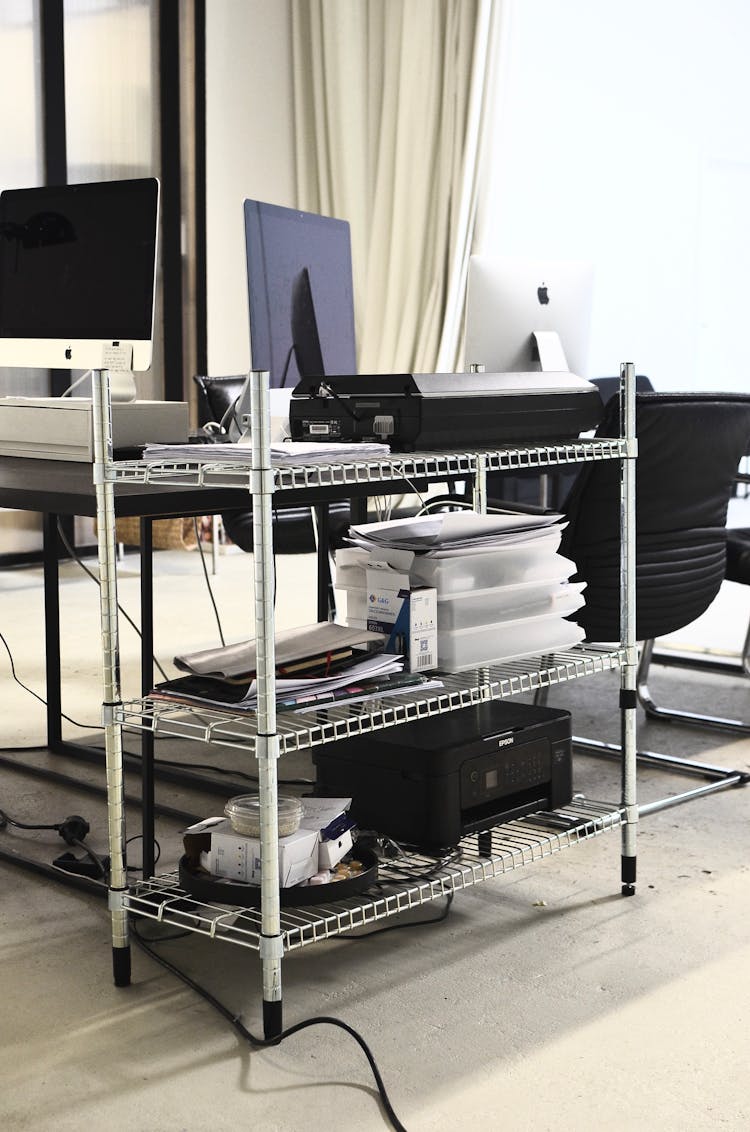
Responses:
[221,890]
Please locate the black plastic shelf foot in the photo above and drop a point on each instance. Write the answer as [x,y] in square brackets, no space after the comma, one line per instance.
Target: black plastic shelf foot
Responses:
[628,876]
[272,1019]
[121,966]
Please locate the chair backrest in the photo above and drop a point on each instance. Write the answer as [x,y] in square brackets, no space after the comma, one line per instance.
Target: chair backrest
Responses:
[689,447]
[610,386]
[216,395]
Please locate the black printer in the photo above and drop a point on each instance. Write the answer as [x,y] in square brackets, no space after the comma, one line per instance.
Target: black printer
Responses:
[431,782]
[443,410]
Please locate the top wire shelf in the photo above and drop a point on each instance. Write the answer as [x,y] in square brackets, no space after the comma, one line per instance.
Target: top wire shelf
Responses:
[395,468]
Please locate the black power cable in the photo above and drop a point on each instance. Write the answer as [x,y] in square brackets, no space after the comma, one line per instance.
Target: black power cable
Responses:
[86,726]
[94,578]
[201,552]
[72,830]
[265,1043]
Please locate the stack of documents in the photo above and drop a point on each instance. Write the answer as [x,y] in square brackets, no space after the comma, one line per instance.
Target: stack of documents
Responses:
[453,531]
[283,452]
[503,590]
[315,666]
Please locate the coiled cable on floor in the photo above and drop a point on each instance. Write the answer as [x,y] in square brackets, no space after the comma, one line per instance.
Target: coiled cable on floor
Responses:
[264,1043]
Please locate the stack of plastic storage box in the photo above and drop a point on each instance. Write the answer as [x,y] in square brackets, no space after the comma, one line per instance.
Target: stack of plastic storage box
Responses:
[503,590]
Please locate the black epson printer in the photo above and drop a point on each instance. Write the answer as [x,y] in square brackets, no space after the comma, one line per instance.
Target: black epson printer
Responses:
[432,411]
[431,782]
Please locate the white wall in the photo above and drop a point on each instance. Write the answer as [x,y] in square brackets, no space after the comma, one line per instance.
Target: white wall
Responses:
[249,153]
[622,137]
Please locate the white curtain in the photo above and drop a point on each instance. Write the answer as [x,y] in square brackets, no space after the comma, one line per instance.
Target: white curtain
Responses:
[389,105]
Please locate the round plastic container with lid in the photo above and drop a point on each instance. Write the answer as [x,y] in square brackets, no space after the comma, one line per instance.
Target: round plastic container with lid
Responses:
[243,812]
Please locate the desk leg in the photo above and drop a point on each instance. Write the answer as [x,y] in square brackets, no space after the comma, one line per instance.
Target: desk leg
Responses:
[322,532]
[147,683]
[52,630]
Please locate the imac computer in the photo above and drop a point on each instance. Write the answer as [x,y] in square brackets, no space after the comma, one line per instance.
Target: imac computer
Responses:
[523,315]
[77,275]
[77,284]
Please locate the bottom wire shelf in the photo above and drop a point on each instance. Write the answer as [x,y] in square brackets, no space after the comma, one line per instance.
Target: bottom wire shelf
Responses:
[405,882]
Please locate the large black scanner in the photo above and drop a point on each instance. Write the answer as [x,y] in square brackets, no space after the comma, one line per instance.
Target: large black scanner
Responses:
[431,782]
[433,411]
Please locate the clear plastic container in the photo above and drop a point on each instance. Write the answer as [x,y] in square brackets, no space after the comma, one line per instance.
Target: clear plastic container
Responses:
[508,640]
[477,608]
[243,812]
[480,570]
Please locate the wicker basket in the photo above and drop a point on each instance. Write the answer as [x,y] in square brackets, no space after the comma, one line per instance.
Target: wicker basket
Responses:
[167,534]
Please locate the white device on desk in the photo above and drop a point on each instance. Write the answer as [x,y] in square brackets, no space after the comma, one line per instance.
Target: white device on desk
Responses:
[77,282]
[61,428]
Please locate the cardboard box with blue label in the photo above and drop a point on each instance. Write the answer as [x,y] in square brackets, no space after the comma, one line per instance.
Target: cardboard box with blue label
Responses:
[406,614]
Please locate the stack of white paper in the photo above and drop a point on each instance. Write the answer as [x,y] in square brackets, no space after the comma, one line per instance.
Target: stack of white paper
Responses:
[454,530]
[283,452]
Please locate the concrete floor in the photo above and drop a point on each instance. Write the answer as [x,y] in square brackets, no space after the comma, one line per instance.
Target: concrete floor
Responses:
[544,1000]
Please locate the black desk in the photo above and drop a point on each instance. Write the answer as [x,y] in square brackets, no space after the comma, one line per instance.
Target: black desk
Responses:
[57,488]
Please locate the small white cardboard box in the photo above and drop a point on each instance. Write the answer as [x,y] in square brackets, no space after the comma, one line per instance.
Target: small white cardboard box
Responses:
[238,857]
[332,850]
[408,615]
[318,814]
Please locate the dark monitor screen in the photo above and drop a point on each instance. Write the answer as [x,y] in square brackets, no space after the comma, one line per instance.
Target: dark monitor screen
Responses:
[299,275]
[77,269]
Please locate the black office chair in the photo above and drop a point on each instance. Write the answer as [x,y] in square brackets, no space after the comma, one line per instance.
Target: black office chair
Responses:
[550,488]
[737,570]
[293,530]
[689,448]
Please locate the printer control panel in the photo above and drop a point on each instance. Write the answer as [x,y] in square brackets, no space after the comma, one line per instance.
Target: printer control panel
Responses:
[505,771]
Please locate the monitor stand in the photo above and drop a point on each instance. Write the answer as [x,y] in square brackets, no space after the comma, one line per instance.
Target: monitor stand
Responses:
[118,359]
[550,351]
[240,424]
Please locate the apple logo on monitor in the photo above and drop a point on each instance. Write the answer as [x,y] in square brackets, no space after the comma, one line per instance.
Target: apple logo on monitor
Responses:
[542,294]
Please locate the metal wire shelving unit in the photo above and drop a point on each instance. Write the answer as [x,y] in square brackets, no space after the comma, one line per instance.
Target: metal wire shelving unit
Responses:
[411,879]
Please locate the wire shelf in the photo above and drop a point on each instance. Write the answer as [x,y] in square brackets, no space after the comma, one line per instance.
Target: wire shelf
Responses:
[314,727]
[395,468]
[412,879]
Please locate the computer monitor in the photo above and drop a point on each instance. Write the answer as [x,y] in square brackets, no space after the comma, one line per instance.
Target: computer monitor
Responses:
[299,277]
[517,307]
[77,275]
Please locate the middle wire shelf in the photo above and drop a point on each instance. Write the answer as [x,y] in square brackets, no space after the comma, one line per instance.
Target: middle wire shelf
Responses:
[310,728]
